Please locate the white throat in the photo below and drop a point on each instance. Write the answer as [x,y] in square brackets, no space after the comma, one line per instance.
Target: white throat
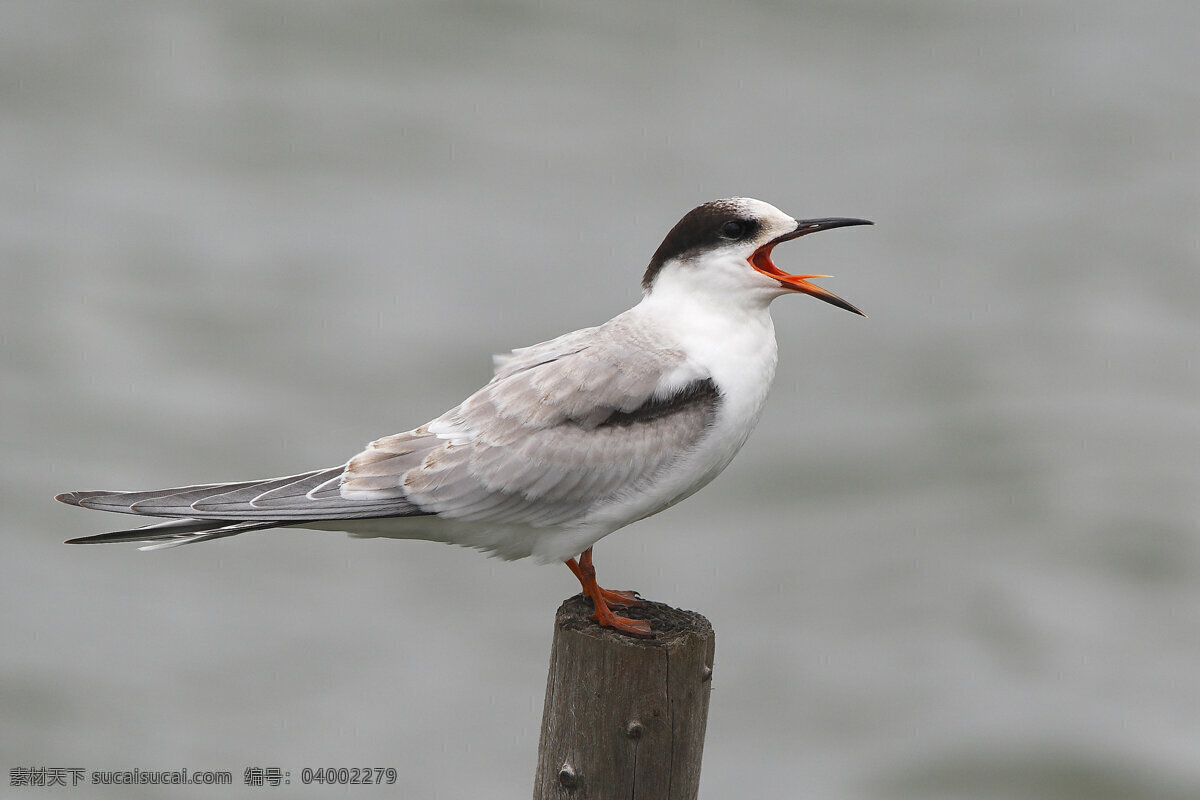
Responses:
[726,331]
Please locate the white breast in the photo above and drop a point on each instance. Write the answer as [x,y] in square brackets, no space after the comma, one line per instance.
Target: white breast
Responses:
[735,345]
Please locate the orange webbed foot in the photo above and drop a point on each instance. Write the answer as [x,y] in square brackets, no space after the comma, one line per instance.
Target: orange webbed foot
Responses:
[601,598]
[632,627]
[623,599]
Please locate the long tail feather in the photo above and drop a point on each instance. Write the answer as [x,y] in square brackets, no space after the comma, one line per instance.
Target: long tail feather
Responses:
[175,532]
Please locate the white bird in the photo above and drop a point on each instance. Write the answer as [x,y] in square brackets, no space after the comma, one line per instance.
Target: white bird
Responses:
[570,440]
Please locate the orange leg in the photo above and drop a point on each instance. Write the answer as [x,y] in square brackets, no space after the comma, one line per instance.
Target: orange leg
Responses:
[586,573]
[612,597]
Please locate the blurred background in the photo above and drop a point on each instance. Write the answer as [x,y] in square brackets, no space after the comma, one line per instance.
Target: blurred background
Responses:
[960,556]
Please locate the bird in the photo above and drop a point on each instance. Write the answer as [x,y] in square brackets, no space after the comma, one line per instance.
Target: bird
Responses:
[570,440]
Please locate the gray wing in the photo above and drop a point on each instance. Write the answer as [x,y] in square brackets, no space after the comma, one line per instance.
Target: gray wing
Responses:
[307,497]
[216,510]
[562,426]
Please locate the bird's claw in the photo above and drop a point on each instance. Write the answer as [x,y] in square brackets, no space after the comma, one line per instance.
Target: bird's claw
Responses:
[624,599]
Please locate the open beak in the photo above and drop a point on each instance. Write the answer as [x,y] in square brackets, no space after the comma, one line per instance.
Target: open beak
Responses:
[760,259]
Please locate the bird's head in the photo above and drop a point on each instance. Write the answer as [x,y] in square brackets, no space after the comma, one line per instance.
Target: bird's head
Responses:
[726,245]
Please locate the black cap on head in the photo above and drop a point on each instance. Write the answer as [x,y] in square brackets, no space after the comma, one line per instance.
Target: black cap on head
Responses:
[703,228]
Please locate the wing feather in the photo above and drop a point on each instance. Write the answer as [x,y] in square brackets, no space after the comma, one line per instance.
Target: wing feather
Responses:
[562,426]
[287,500]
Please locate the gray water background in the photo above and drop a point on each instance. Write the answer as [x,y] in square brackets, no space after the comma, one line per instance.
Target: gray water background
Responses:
[960,556]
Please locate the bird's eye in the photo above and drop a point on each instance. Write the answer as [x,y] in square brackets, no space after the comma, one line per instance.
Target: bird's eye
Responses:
[733,230]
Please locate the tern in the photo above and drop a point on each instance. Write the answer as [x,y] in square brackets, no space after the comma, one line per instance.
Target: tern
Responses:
[570,440]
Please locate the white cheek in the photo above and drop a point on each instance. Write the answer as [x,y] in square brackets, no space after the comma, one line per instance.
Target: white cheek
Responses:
[735,273]
[733,278]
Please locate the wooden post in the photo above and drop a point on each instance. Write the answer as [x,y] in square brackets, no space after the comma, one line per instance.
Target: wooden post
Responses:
[625,716]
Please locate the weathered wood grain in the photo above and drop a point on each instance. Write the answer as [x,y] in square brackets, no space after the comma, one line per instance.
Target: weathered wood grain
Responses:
[625,717]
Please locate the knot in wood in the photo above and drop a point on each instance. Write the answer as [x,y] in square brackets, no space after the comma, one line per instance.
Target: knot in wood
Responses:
[567,777]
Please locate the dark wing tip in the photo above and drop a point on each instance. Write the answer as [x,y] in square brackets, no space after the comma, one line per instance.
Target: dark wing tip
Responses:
[101,538]
[136,535]
[70,498]
[81,499]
